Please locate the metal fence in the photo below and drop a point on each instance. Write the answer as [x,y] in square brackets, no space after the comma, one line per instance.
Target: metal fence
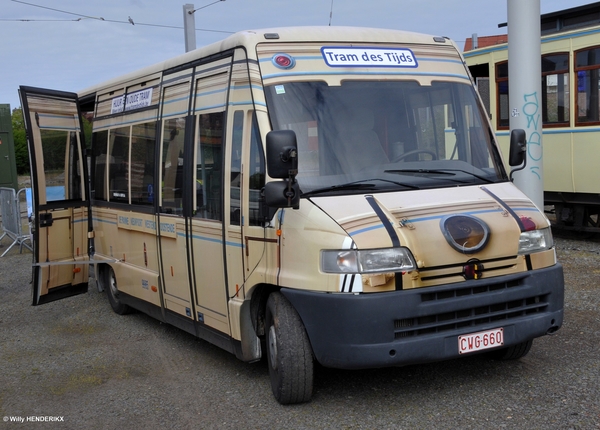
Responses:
[12,223]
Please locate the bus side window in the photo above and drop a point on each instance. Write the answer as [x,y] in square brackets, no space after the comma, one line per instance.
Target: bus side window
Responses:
[118,173]
[257,173]
[172,165]
[142,163]
[209,170]
[100,149]
[236,168]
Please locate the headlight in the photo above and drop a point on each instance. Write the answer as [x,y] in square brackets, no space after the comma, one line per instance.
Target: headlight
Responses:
[386,260]
[535,240]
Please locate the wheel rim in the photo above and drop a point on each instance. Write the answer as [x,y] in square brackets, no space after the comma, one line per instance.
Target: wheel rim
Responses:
[112,284]
[273,347]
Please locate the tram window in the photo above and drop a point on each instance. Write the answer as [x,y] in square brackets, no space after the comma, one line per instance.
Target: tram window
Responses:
[588,82]
[555,89]
[502,88]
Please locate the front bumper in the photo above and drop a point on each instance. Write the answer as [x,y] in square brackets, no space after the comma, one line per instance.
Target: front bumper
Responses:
[358,331]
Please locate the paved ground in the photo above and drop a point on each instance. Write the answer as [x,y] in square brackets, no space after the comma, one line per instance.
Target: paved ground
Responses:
[78,361]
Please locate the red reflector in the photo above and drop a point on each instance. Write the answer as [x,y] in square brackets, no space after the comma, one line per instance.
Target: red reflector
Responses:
[528,223]
[472,270]
[283,61]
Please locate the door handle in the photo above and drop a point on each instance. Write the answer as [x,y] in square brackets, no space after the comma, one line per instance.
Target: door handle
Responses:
[46,220]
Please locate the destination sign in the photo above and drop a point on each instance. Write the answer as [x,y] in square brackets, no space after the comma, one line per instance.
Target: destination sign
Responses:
[137,100]
[368,57]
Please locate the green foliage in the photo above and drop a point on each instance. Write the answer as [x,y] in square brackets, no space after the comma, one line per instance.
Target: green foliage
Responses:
[21,154]
[87,132]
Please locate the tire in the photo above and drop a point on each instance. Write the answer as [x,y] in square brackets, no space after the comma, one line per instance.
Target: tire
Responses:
[289,353]
[512,352]
[112,292]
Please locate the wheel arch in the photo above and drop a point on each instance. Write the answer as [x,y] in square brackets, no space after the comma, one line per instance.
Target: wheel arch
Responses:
[258,305]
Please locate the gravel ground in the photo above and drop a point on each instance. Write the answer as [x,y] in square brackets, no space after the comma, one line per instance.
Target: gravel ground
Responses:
[77,361]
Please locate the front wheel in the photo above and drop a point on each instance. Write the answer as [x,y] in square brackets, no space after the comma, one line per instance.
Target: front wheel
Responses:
[110,286]
[289,353]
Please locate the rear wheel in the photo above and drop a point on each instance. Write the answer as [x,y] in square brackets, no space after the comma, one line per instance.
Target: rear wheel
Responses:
[110,286]
[512,352]
[288,352]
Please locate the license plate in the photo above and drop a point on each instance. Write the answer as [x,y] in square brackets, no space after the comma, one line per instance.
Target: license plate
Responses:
[481,340]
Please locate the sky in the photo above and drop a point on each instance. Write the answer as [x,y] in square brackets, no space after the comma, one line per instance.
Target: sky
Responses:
[65,45]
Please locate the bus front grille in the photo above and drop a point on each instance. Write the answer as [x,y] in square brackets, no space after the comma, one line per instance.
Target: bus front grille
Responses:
[500,308]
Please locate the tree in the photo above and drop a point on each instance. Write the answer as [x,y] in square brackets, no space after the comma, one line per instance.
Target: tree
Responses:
[20,139]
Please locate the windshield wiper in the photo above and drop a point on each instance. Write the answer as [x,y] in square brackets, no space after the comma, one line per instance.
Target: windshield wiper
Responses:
[442,172]
[356,185]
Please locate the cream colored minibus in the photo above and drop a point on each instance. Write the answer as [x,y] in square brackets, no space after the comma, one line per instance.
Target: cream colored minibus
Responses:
[322,194]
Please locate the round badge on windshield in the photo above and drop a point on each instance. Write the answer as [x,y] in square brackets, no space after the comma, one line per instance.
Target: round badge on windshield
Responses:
[465,233]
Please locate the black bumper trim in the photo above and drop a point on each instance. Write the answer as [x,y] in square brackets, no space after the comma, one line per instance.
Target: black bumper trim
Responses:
[358,331]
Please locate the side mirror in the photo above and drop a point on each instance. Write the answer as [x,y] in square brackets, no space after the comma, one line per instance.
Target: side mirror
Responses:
[282,194]
[282,163]
[282,154]
[518,147]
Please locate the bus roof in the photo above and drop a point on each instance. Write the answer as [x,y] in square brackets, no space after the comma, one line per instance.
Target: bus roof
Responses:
[249,38]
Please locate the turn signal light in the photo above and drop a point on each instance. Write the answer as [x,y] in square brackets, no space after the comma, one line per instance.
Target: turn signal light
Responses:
[528,224]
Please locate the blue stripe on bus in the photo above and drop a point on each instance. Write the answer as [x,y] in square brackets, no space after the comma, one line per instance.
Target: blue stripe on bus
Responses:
[175,114]
[104,221]
[299,57]
[212,240]
[247,87]
[320,57]
[58,128]
[209,93]
[411,73]
[434,217]
[136,121]
[247,102]
[50,115]
[440,60]
[201,108]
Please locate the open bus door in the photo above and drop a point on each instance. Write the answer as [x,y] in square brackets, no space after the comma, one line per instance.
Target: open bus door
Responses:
[60,198]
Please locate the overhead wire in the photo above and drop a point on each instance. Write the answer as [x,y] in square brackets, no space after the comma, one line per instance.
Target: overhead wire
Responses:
[205,6]
[99,18]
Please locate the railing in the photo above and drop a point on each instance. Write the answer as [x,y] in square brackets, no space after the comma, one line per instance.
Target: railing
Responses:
[12,224]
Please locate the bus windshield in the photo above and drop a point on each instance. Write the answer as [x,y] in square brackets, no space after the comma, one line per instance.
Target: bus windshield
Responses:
[385,135]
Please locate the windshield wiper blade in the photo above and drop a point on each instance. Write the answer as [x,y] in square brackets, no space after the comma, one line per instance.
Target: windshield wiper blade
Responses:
[418,171]
[342,187]
[357,185]
[483,178]
[442,172]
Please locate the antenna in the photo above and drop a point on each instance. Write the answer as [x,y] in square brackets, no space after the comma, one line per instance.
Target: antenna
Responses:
[331,13]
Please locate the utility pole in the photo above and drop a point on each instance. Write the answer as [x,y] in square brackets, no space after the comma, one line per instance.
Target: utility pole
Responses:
[189,27]
[525,91]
